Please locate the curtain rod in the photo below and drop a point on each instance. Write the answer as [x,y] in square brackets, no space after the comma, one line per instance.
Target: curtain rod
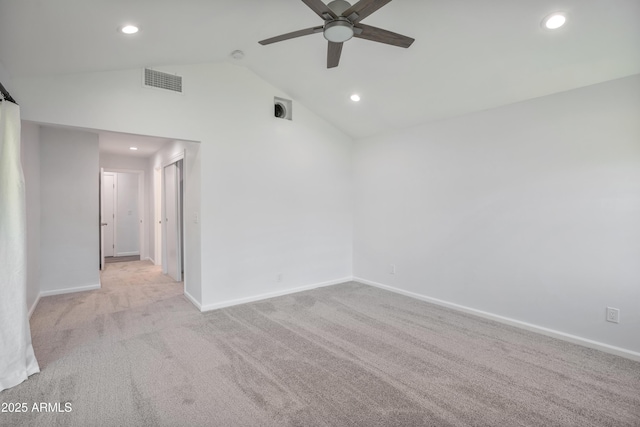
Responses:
[6,95]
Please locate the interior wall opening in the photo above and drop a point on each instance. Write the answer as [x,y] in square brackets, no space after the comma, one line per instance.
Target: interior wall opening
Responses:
[160,195]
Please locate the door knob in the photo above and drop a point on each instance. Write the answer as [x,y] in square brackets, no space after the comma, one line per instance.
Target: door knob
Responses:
[104,223]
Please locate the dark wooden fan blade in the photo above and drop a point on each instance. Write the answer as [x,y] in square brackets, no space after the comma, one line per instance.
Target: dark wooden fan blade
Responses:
[320,8]
[363,9]
[333,54]
[292,35]
[382,36]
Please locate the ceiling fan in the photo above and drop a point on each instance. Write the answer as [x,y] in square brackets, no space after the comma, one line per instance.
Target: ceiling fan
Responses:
[341,22]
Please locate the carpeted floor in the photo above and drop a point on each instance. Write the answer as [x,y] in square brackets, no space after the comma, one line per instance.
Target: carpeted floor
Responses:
[137,353]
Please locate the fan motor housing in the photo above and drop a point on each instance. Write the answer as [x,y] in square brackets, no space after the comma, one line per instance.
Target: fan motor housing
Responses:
[338,6]
[341,23]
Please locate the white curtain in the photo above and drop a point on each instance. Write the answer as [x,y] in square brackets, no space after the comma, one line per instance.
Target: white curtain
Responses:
[17,360]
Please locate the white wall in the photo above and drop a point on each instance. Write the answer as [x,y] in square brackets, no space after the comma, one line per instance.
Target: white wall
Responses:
[530,211]
[5,78]
[283,205]
[116,161]
[69,234]
[275,194]
[30,157]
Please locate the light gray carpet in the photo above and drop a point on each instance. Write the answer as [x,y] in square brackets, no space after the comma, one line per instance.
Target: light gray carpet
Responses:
[137,353]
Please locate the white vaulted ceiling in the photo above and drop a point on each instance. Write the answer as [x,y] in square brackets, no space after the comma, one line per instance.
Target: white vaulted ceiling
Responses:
[468,55]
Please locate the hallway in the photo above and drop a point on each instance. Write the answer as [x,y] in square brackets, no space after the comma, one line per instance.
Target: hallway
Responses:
[63,323]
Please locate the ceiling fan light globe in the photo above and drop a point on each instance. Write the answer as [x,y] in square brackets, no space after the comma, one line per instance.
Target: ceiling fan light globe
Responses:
[338,31]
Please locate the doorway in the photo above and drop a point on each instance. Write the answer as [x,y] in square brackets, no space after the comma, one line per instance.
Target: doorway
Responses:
[152,158]
[122,215]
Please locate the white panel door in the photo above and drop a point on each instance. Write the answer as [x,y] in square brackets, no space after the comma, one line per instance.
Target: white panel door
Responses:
[172,262]
[127,231]
[101,183]
[108,209]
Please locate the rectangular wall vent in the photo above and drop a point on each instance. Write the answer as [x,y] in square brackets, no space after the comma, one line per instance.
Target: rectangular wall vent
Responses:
[158,79]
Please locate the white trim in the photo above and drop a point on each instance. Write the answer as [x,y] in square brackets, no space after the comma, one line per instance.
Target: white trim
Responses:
[179,155]
[34,305]
[618,351]
[127,253]
[69,290]
[60,292]
[142,209]
[182,256]
[260,297]
[192,300]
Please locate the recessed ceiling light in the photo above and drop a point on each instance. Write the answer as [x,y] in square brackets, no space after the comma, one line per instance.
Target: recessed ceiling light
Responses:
[355,97]
[133,148]
[129,29]
[554,21]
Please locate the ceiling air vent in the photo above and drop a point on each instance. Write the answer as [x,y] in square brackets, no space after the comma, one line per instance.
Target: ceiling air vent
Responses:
[160,80]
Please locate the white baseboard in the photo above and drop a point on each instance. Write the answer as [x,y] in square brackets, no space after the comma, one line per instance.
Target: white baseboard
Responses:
[127,253]
[60,292]
[192,300]
[34,305]
[69,290]
[618,351]
[152,260]
[239,301]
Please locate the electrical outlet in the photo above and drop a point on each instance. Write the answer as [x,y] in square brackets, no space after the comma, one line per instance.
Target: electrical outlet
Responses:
[613,315]
[392,269]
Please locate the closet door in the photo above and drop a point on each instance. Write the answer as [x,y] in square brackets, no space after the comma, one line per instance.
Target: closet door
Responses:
[172,229]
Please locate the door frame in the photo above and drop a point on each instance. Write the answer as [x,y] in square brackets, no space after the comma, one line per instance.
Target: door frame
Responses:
[114,207]
[101,222]
[180,155]
[142,211]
